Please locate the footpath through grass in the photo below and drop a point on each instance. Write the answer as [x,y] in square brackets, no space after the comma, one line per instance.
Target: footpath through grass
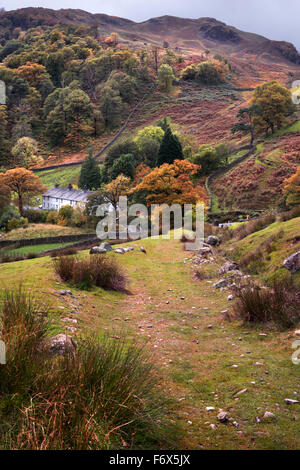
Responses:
[204,360]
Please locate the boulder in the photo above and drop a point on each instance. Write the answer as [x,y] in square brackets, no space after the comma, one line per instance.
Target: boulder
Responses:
[212,240]
[120,251]
[228,267]
[59,345]
[106,246]
[292,263]
[96,250]
[204,251]
[222,417]
[220,284]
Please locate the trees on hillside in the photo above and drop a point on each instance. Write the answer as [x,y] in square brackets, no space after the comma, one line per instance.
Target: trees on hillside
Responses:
[292,189]
[4,142]
[274,103]
[124,165]
[170,148]
[116,188]
[25,153]
[89,177]
[165,77]
[23,183]
[246,125]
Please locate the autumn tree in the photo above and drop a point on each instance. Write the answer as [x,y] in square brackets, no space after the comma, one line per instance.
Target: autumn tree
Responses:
[23,183]
[170,148]
[111,106]
[25,153]
[170,184]
[275,104]
[165,77]
[292,189]
[116,188]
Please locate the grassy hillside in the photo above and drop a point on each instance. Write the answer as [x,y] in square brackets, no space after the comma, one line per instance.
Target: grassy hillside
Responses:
[180,321]
[61,176]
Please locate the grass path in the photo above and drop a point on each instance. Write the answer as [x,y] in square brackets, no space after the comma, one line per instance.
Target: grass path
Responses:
[180,321]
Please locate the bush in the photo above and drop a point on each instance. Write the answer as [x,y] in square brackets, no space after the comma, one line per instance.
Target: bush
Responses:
[66,212]
[105,396]
[9,213]
[15,223]
[292,214]
[52,217]
[36,216]
[97,270]
[279,304]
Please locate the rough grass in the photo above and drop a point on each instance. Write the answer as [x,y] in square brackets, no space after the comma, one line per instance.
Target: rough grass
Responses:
[191,344]
[104,396]
[61,176]
[40,231]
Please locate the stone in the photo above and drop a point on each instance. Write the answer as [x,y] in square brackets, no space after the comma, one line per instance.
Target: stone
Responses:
[213,426]
[106,246]
[220,284]
[289,401]
[96,250]
[230,297]
[210,408]
[120,251]
[228,267]
[268,415]
[297,332]
[292,263]
[212,240]
[65,292]
[59,345]
[204,250]
[222,417]
[71,320]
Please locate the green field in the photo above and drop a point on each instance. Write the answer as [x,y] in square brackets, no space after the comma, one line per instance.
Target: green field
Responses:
[62,176]
[25,250]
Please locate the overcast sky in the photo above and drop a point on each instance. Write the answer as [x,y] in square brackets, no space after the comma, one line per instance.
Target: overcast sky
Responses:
[275,19]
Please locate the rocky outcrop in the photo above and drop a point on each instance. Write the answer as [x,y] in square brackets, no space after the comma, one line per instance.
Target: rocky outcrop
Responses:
[59,345]
[292,263]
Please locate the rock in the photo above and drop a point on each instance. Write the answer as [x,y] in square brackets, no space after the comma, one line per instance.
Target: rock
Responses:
[142,249]
[212,240]
[297,332]
[213,426]
[235,424]
[120,251]
[220,284]
[210,408]
[292,263]
[96,250]
[65,292]
[222,417]
[289,401]
[204,250]
[71,320]
[59,345]
[230,297]
[228,267]
[106,246]
[268,415]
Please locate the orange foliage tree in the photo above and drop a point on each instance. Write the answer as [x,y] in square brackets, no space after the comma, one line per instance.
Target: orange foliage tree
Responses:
[171,184]
[23,183]
[292,189]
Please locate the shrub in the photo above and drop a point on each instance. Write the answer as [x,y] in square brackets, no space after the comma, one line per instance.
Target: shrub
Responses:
[68,251]
[97,270]
[105,396]
[292,214]
[9,213]
[52,217]
[65,212]
[36,216]
[279,304]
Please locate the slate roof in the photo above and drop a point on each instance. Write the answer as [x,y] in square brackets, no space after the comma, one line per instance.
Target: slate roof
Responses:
[66,193]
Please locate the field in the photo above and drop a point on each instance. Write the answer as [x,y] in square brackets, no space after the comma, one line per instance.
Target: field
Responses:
[36,249]
[61,176]
[204,360]
[40,231]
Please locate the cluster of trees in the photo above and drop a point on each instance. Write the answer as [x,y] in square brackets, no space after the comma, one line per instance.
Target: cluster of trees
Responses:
[209,72]
[153,146]
[292,190]
[269,110]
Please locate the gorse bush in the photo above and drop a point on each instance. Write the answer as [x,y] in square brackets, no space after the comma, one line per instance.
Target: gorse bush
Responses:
[97,270]
[279,304]
[105,396]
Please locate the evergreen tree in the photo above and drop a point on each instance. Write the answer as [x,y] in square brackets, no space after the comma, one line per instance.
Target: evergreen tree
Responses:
[90,173]
[170,148]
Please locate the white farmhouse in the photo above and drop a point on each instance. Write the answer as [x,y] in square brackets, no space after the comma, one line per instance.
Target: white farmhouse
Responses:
[58,196]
